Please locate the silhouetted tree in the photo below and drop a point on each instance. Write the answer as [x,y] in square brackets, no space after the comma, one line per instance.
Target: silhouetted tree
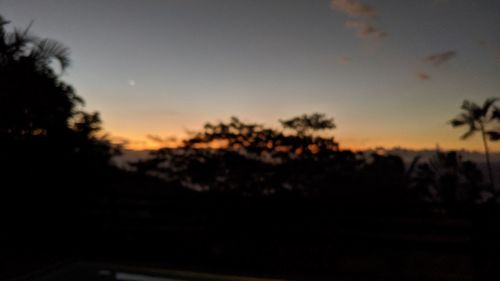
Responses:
[35,105]
[52,150]
[240,157]
[250,159]
[477,119]
[258,141]
[33,101]
[305,124]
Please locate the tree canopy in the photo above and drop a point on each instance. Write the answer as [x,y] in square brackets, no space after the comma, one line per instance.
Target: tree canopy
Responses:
[37,108]
[53,151]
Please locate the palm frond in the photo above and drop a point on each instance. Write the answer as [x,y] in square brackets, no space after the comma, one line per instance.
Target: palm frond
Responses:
[464,118]
[17,41]
[487,105]
[472,109]
[457,122]
[469,133]
[48,49]
[495,114]
[493,135]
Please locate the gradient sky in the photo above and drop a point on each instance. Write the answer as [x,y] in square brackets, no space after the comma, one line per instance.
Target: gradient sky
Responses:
[390,72]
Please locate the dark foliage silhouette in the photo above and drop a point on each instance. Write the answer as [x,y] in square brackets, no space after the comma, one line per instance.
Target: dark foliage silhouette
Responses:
[37,107]
[448,181]
[304,124]
[53,152]
[249,159]
[246,158]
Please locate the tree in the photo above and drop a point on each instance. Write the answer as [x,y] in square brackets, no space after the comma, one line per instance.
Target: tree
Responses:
[252,159]
[35,105]
[304,124]
[305,141]
[52,150]
[479,119]
[257,140]
[33,101]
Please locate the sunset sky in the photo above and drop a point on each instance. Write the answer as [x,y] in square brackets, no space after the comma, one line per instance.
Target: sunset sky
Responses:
[391,73]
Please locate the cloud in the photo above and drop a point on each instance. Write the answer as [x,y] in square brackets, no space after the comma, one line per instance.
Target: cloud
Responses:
[128,143]
[359,18]
[354,8]
[439,59]
[422,76]
[436,60]
[365,30]
[119,140]
[160,140]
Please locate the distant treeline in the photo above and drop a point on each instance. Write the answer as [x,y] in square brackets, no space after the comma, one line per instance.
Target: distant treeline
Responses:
[252,160]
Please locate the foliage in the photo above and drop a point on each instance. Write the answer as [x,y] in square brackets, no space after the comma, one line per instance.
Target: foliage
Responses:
[304,124]
[247,159]
[448,180]
[36,107]
[258,141]
[53,152]
[243,157]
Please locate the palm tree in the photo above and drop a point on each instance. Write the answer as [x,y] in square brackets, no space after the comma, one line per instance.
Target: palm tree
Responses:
[33,100]
[478,119]
[35,104]
[20,45]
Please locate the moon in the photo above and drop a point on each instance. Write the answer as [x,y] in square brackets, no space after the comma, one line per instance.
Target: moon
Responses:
[131,83]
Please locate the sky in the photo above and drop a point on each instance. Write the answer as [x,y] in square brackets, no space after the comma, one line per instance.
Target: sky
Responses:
[390,73]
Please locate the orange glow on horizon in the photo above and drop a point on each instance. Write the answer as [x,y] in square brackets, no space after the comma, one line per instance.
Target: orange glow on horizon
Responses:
[144,143]
[150,138]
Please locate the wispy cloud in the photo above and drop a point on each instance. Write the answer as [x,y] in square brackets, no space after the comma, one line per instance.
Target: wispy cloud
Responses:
[422,76]
[354,8]
[360,16]
[128,143]
[365,30]
[119,140]
[439,59]
[161,140]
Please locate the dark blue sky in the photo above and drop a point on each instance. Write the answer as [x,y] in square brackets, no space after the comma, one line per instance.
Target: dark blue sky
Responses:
[390,72]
